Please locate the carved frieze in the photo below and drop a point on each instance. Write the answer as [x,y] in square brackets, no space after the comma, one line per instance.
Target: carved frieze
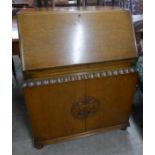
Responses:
[78,76]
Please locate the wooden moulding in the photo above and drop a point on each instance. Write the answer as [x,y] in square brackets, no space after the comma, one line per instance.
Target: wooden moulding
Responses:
[40,144]
[78,76]
[63,70]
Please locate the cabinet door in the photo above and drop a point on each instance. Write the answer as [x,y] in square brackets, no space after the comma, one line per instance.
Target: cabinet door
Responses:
[114,95]
[50,107]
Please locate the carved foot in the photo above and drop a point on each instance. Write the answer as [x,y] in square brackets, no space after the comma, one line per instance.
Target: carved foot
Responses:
[124,128]
[38,146]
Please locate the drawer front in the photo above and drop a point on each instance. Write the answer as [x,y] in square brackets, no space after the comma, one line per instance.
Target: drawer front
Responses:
[114,96]
[50,107]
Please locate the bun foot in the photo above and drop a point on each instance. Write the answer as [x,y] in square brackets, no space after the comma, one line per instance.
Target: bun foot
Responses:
[124,128]
[38,146]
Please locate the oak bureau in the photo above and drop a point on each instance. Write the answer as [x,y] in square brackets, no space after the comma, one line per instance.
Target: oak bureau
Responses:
[78,67]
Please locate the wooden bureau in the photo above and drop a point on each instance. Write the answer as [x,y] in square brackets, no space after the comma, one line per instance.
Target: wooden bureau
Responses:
[78,67]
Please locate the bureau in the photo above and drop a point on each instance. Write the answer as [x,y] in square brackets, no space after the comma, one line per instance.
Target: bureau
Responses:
[78,67]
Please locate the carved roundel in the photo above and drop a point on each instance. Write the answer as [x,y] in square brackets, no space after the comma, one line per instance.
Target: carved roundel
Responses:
[85,107]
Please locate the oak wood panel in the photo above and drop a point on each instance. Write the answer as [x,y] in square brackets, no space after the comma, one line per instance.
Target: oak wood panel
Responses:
[74,37]
[15,50]
[115,97]
[49,109]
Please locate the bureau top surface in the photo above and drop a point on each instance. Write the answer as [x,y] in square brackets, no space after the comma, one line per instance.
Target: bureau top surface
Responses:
[65,37]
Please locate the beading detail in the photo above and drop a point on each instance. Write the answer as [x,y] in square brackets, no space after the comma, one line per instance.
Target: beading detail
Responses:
[78,76]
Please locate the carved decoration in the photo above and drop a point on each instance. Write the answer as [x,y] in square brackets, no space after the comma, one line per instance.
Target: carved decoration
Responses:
[79,76]
[85,108]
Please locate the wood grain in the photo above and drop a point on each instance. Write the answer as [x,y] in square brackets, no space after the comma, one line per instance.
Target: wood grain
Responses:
[115,97]
[64,38]
[49,109]
[50,106]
